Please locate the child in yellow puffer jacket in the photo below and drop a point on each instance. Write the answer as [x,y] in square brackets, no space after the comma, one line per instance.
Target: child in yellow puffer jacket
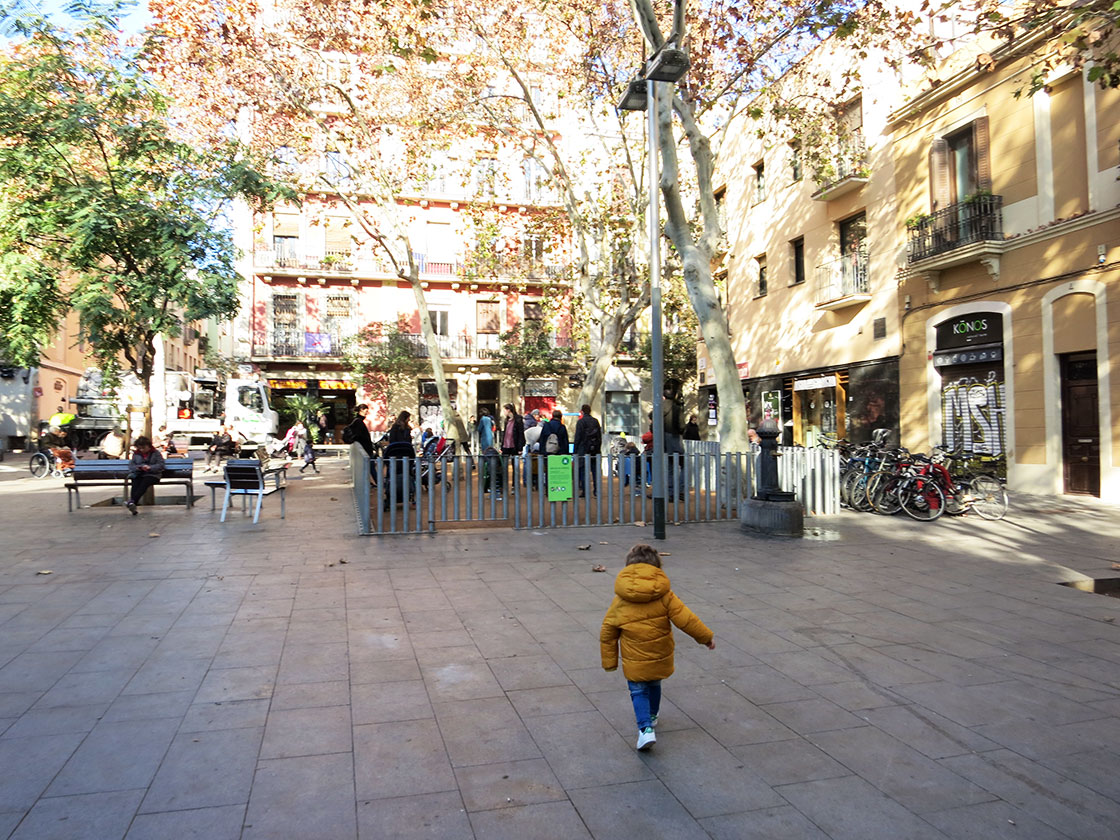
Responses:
[639,617]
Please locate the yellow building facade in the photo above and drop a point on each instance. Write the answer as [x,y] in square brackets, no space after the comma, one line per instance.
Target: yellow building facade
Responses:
[1008,296]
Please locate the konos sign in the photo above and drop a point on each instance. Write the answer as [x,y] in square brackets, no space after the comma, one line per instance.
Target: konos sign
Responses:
[967,330]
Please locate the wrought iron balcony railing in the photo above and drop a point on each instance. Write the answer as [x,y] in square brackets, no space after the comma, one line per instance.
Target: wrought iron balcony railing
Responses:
[842,278]
[977,219]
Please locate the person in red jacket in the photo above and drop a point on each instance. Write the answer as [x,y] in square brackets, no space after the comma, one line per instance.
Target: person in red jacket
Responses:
[639,621]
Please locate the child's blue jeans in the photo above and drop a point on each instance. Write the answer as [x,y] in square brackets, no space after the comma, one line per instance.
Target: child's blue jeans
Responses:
[646,697]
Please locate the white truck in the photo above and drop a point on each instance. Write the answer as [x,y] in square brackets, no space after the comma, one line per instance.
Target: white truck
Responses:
[196,405]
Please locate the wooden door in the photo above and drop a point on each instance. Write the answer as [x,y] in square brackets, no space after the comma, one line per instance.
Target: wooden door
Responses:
[1081,441]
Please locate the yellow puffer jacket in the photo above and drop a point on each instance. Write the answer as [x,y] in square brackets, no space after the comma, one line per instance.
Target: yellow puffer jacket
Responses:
[643,606]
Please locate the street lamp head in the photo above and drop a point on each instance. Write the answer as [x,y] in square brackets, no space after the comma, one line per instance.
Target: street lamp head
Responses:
[668,64]
[634,98]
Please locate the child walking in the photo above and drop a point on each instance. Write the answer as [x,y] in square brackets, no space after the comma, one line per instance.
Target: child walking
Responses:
[639,619]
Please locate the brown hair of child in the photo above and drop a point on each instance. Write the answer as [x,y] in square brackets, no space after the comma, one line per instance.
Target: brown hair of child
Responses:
[642,553]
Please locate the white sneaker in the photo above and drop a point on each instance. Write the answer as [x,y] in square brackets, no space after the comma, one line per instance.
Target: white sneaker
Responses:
[646,738]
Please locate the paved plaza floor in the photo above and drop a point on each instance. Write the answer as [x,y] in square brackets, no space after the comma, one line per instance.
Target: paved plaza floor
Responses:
[175,677]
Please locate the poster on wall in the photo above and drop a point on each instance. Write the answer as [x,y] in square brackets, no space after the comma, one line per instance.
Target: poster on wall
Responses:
[973,417]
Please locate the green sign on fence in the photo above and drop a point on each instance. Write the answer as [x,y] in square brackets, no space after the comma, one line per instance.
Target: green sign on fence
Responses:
[559,478]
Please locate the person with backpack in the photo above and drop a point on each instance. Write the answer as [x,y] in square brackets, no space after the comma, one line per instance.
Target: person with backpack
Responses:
[554,435]
[589,441]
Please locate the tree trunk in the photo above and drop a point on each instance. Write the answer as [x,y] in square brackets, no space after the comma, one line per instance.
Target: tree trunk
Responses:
[696,268]
[451,417]
[604,358]
[713,326]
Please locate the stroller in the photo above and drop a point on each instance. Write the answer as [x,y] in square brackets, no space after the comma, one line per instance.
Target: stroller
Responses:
[435,455]
[399,473]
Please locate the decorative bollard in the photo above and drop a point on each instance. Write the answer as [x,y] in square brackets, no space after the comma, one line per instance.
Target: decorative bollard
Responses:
[771,510]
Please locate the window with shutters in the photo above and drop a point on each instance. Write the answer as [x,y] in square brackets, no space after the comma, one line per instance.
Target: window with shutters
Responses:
[489,316]
[959,165]
[287,335]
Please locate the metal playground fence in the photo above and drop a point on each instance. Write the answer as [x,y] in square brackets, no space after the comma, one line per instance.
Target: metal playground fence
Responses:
[416,495]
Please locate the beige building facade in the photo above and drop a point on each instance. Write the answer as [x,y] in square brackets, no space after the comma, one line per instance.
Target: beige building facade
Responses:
[810,272]
[1009,307]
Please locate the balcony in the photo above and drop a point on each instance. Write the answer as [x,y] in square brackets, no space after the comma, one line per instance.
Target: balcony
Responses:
[329,262]
[293,344]
[843,282]
[975,221]
[846,171]
[296,344]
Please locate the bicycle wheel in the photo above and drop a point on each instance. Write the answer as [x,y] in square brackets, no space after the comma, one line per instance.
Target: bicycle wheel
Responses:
[858,494]
[882,492]
[847,481]
[40,465]
[989,499]
[921,499]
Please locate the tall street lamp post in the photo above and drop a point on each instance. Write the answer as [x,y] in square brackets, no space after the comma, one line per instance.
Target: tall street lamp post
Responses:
[668,65]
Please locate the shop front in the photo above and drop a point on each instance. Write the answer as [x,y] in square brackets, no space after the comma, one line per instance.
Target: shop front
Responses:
[831,403]
[337,395]
[969,361]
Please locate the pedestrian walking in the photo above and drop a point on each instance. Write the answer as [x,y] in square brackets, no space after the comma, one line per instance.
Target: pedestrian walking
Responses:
[639,622]
[309,456]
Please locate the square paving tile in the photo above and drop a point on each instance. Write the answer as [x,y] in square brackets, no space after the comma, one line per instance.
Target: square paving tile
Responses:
[204,770]
[508,784]
[400,759]
[388,701]
[105,816]
[314,731]
[116,756]
[309,796]
[848,808]
[429,816]
[540,821]
[636,809]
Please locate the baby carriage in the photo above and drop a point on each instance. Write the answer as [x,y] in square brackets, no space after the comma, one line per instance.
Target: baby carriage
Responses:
[435,455]
[399,473]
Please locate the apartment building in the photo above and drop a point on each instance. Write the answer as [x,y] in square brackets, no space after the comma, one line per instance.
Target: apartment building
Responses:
[1011,207]
[316,279]
[810,270]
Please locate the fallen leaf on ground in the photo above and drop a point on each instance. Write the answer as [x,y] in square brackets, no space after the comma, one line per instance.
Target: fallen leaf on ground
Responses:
[598,568]
[665,554]
[344,562]
[1116,565]
[603,542]
[584,547]
[334,498]
[45,572]
[153,534]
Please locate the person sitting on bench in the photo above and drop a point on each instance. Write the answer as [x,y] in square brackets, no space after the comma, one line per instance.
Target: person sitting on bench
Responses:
[144,470]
